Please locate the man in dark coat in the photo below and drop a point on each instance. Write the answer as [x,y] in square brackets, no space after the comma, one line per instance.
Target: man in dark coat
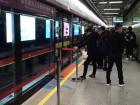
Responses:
[91,43]
[115,50]
[102,60]
[130,40]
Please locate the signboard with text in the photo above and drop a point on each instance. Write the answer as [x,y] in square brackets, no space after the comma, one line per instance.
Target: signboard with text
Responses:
[136,19]
[117,19]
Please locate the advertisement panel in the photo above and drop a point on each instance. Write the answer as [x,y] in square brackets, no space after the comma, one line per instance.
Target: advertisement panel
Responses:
[66,29]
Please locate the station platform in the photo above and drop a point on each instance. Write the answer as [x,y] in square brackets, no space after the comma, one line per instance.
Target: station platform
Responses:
[92,91]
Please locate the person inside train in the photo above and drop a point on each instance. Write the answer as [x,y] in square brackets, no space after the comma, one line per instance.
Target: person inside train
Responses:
[130,40]
[91,43]
[115,50]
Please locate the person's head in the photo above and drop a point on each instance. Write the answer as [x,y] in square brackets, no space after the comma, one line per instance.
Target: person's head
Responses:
[112,29]
[108,29]
[129,28]
[101,30]
[118,28]
[88,31]
[124,29]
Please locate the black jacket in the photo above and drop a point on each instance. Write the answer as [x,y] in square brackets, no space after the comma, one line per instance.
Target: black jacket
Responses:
[130,38]
[115,45]
[91,42]
[102,43]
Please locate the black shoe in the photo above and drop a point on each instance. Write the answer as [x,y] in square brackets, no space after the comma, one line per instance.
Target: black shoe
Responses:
[121,85]
[92,76]
[108,84]
[82,78]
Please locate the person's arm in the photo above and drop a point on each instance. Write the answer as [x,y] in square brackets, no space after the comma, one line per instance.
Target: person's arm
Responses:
[122,44]
[82,44]
[134,40]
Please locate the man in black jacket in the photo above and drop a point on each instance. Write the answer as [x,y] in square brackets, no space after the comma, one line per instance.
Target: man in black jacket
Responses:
[91,43]
[115,50]
[130,40]
[102,60]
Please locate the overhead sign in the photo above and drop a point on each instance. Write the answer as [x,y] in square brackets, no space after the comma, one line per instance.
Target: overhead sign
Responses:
[136,19]
[117,19]
[76,20]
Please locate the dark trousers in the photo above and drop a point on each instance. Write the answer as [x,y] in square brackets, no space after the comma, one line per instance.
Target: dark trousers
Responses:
[105,62]
[100,61]
[118,62]
[100,58]
[87,62]
[129,50]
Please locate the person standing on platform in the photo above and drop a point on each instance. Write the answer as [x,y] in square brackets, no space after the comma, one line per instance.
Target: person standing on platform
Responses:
[91,43]
[115,50]
[102,48]
[130,40]
[100,32]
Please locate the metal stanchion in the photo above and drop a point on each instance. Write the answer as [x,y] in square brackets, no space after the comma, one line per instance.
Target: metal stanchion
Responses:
[73,49]
[76,78]
[59,59]
[58,81]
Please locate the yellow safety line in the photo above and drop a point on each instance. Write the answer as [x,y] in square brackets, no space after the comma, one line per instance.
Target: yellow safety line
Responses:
[7,64]
[51,93]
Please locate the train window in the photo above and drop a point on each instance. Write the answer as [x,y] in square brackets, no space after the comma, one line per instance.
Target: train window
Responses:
[40,30]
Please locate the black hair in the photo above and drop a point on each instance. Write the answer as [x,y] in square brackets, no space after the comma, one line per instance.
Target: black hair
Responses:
[118,25]
[102,28]
[130,28]
[89,30]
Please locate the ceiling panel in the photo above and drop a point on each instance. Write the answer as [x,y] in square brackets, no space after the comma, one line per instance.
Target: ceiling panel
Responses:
[106,9]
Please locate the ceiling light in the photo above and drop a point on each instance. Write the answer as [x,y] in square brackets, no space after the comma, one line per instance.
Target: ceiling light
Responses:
[115,2]
[112,9]
[102,2]
[111,13]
